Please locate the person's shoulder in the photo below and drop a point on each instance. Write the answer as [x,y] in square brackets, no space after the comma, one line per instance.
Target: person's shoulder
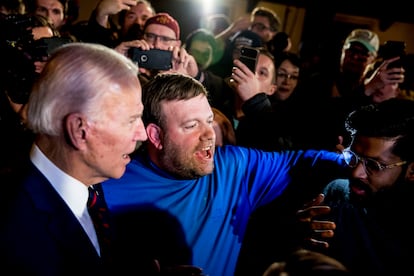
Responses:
[231,153]
[228,149]
[248,156]
[337,189]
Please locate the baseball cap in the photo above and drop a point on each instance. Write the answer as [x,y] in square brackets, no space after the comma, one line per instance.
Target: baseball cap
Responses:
[247,38]
[165,19]
[366,37]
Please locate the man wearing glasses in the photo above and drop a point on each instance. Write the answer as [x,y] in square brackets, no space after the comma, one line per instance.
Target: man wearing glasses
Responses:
[162,32]
[261,20]
[265,22]
[370,208]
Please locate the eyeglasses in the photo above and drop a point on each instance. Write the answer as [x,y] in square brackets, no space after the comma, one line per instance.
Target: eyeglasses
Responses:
[370,165]
[260,27]
[151,38]
[286,76]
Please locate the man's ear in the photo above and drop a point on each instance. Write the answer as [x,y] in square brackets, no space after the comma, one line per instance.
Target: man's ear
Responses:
[410,172]
[272,89]
[76,130]
[154,133]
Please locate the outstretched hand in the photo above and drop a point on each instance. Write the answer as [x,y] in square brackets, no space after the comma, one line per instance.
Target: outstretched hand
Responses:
[317,230]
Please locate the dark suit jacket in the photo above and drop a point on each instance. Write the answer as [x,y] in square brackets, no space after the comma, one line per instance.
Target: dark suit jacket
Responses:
[39,234]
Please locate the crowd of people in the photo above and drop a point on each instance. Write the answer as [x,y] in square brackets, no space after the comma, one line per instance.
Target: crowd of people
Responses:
[207,166]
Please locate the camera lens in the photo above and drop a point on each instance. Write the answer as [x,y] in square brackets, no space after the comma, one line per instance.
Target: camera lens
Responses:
[144,58]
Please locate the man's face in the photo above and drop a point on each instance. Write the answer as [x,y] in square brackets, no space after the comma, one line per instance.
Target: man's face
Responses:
[136,15]
[53,10]
[356,58]
[366,181]
[188,138]
[265,72]
[261,26]
[114,135]
[161,37]
[202,51]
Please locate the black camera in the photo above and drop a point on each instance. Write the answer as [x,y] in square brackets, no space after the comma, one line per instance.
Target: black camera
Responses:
[44,47]
[19,51]
[16,28]
[155,59]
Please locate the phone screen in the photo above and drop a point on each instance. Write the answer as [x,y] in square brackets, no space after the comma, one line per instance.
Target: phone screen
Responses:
[248,55]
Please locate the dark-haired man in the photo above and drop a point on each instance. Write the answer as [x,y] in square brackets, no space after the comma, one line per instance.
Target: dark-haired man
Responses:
[372,207]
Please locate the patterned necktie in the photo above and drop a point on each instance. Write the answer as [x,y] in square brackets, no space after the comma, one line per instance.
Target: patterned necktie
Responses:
[99,213]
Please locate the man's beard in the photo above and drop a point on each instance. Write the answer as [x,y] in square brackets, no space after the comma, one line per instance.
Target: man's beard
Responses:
[383,196]
[358,199]
[181,165]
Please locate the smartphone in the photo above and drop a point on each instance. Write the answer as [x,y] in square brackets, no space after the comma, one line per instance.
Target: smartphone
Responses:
[248,55]
[392,49]
[155,59]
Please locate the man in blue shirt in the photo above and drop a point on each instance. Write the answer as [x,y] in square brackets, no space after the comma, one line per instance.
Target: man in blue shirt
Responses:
[210,191]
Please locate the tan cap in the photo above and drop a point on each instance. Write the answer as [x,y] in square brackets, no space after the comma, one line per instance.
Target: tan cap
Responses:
[366,37]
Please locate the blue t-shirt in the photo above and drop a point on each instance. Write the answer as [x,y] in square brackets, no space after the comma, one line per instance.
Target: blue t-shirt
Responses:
[213,210]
